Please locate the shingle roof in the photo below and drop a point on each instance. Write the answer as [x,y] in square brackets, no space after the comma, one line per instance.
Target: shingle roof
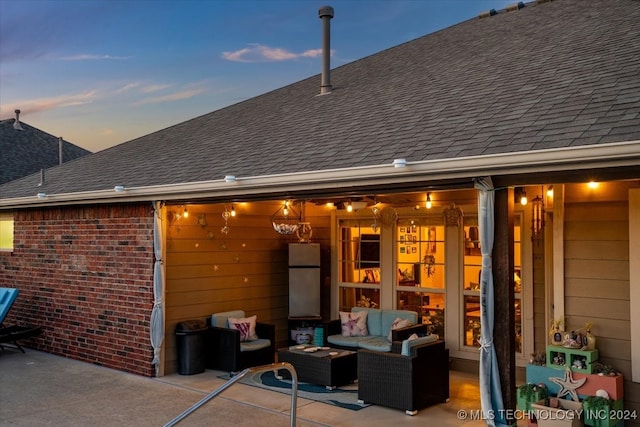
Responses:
[28,150]
[559,74]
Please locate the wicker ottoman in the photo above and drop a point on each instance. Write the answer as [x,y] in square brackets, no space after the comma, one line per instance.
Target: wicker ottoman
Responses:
[328,367]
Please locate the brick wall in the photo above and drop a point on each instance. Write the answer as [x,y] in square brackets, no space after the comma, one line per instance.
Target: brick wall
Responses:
[85,275]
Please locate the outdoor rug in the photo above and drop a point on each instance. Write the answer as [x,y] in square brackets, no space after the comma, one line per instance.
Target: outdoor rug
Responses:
[344,397]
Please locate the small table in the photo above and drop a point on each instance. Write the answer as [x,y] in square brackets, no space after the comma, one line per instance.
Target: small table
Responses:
[329,367]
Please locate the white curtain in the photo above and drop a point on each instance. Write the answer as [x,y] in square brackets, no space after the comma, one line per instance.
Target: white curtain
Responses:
[157,313]
[490,390]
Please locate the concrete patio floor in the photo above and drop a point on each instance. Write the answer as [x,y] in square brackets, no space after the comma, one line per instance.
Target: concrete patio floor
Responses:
[40,389]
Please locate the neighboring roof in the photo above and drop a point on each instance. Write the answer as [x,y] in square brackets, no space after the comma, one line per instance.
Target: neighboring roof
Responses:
[27,150]
[545,78]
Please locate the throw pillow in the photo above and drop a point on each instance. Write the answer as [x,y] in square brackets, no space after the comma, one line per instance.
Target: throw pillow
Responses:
[354,324]
[246,326]
[397,324]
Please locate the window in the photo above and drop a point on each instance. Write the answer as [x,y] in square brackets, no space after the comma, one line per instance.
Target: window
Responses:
[6,232]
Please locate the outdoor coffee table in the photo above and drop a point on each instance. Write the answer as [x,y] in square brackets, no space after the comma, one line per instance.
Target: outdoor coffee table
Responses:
[326,366]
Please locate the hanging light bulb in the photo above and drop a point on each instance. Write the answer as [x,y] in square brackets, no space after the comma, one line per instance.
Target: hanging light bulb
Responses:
[233,210]
[428,200]
[285,210]
[185,214]
[523,198]
[550,191]
[349,207]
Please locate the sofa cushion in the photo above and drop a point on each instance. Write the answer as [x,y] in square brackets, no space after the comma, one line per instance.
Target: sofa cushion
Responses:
[255,345]
[221,320]
[376,344]
[354,324]
[408,344]
[373,319]
[343,341]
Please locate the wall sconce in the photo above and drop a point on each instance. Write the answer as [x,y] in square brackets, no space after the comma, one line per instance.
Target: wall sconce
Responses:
[428,203]
[537,218]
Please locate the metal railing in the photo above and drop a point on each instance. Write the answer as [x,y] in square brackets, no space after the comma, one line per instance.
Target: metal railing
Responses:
[264,368]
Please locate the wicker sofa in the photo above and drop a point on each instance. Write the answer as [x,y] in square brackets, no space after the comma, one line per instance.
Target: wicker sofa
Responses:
[408,382]
[378,325]
[226,352]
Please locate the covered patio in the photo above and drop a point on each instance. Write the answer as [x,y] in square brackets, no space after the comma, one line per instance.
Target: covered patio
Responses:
[74,393]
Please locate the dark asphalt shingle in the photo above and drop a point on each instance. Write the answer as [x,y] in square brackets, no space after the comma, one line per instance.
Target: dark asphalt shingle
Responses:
[559,74]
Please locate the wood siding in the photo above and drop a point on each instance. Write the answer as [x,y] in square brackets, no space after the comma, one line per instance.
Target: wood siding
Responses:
[246,269]
[597,273]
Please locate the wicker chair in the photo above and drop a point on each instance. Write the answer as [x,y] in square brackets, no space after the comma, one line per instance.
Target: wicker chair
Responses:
[402,382]
[224,350]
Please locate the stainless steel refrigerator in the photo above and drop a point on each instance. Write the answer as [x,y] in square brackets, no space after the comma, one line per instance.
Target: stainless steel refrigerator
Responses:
[304,280]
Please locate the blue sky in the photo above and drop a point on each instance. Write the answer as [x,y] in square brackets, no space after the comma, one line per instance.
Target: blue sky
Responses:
[99,73]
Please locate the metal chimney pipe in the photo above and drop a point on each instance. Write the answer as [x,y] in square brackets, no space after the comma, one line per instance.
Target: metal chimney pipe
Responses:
[326,13]
[16,123]
[60,141]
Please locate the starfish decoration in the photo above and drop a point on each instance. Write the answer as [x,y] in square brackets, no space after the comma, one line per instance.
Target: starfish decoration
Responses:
[568,385]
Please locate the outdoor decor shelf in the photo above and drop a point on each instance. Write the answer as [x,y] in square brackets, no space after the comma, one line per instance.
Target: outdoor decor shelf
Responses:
[612,384]
[577,360]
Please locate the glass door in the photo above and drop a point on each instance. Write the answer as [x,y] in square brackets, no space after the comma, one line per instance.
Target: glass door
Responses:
[472,267]
[358,264]
[420,271]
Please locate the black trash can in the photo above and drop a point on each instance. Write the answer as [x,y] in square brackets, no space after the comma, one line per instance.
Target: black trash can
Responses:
[190,342]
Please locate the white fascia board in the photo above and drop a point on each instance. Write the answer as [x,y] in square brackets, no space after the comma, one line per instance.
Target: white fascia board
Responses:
[539,161]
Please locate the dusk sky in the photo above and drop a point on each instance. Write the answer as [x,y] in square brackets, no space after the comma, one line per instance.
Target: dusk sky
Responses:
[100,73]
